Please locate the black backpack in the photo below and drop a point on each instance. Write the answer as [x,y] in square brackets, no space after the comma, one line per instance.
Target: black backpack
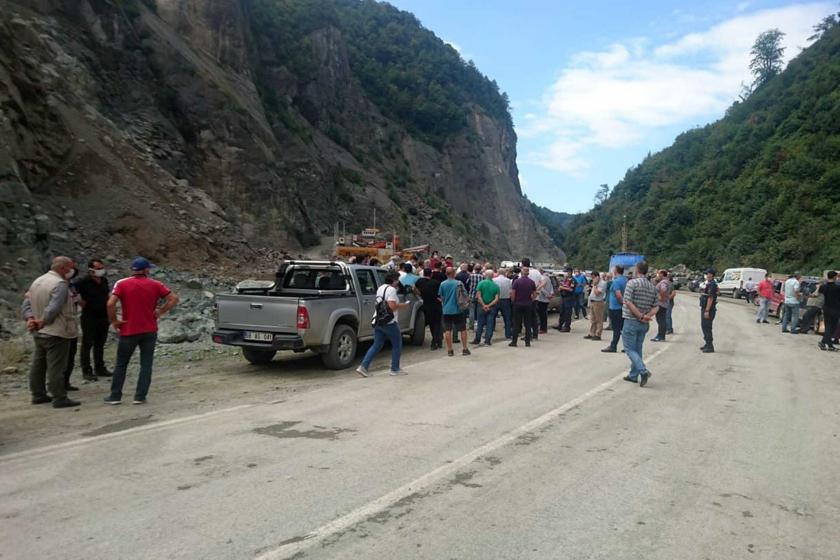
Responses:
[383,315]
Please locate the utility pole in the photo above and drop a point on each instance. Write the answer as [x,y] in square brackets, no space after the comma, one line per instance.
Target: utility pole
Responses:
[624,234]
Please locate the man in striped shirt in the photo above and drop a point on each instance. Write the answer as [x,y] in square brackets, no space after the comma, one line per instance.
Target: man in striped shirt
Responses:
[474,279]
[639,309]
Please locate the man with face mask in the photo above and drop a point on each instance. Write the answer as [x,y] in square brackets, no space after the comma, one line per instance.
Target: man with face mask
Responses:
[49,313]
[93,290]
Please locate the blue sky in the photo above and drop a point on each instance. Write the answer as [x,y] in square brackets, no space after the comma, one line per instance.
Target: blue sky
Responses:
[597,85]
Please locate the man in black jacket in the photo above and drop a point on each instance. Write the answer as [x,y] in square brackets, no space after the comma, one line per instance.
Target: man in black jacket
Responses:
[94,291]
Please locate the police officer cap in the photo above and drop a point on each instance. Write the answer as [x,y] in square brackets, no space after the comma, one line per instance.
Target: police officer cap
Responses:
[710,271]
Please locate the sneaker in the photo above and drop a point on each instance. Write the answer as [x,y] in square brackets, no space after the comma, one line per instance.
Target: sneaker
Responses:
[112,400]
[398,372]
[465,352]
[90,379]
[512,344]
[609,350]
[657,339]
[832,348]
[476,342]
[595,338]
[645,376]
[527,344]
[588,337]
[821,345]
[709,350]
[765,322]
[450,353]
[138,401]
[628,379]
[669,331]
[362,370]
[42,400]
[65,403]
[488,343]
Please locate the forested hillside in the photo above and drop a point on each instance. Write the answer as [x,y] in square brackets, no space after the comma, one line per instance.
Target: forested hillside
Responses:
[759,187]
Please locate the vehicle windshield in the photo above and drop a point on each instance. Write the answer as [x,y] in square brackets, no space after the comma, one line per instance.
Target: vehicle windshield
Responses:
[315,279]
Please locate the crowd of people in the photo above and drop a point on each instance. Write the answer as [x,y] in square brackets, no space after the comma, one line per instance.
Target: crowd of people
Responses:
[470,297]
[60,299]
[824,299]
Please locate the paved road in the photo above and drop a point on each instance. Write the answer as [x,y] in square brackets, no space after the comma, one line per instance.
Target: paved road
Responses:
[512,453]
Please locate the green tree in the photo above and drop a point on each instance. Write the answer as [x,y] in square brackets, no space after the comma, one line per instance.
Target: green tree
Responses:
[602,194]
[828,22]
[767,55]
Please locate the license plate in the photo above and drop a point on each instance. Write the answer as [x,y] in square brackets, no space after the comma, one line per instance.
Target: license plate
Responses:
[258,336]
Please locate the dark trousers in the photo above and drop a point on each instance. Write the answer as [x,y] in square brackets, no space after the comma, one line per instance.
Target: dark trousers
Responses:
[706,325]
[661,322]
[566,313]
[125,349]
[523,315]
[617,322]
[94,336]
[506,311]
[434,316]
[534,324]
[542,314]
[831,320]
[71,361]
[49,362]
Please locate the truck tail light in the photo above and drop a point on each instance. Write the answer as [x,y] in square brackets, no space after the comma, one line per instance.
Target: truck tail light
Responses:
[302,317]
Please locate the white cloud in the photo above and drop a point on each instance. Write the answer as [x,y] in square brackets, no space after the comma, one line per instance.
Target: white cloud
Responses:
[620,95]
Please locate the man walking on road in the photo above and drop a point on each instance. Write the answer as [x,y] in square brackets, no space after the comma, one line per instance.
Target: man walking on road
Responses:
[487,294]
[663,294]
[522,293]
[545,291]
[765,295]
[580,296]
[708,309]
[453,318]
[568,298]
[831,310]
[639,308]
[138,295]
[94,292]
[49,313]
[615,302]
[792,303]
[538,280]
[384,329]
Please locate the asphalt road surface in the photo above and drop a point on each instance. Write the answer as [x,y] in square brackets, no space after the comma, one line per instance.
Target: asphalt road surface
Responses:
[539,452]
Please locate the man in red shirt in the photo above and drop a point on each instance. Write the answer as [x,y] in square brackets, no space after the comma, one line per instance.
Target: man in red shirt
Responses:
[765,292]
[138,296]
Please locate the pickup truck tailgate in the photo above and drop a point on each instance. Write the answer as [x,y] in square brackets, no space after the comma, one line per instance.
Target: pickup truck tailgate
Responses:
[258,313]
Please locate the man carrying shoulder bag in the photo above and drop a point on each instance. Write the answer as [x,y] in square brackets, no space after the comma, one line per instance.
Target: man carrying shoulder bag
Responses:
[386,325]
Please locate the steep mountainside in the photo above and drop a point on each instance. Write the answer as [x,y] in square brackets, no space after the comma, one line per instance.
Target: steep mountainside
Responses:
[556,223]
[759,187]
[198,132]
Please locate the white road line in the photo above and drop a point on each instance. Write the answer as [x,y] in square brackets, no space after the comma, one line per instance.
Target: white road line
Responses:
[48,449]
[429,479]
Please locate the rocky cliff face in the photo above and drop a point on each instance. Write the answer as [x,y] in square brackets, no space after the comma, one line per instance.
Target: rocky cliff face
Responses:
[170,128]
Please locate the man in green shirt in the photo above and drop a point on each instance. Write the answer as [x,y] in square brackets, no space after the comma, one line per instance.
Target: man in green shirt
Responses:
[487,297]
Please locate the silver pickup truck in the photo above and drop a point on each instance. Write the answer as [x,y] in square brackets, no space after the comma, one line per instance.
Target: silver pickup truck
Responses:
[321,306]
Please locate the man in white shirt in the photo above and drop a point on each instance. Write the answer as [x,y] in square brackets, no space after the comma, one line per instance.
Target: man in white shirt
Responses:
[505,309]
[537,278]
[792,306]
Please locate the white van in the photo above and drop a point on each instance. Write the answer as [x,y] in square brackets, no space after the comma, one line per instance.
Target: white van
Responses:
[734,280]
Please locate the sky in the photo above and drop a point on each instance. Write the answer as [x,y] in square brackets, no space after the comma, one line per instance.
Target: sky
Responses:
[595,86]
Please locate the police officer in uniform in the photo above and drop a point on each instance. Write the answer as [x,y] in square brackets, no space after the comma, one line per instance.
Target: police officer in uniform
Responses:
[708,307]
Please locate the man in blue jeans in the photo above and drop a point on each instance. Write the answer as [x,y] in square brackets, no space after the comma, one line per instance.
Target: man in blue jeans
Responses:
[390,331]
[615,302]
[138,297]
[640,307]
[580,296]
[792,292]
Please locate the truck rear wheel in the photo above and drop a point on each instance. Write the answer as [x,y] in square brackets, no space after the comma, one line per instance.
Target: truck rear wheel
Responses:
[418,335]
[342,350]
[258,357]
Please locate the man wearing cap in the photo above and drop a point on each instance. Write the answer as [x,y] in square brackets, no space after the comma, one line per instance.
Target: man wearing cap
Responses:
[138,296]
[708,308]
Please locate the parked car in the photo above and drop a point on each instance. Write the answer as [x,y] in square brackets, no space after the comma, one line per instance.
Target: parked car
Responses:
[321,306]
[734,280]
